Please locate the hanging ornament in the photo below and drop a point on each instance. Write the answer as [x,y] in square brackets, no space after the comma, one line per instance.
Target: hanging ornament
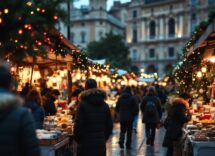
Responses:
[20,31]
[20,18]
[55,18]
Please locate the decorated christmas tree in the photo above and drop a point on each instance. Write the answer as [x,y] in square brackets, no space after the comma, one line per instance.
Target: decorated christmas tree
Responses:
[27,28]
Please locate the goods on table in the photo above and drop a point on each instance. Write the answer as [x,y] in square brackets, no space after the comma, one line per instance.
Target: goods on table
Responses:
[60,122]
[50,137]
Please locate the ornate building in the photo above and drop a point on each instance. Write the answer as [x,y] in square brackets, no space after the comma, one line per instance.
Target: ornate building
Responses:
[91,23]
[157,30]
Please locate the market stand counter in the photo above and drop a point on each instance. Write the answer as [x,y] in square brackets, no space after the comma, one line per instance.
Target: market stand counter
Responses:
[55,149]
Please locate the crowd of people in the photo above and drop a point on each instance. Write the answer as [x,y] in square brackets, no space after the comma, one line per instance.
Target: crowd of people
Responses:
[21,114]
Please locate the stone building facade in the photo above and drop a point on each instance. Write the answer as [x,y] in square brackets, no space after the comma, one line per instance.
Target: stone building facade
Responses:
[91,23]
[157,30]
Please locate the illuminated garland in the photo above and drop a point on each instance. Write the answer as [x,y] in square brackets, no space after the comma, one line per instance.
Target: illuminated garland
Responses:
[184,73]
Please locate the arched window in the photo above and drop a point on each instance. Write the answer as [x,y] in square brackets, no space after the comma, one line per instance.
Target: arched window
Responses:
[152,29]
[100,34]
[171,25]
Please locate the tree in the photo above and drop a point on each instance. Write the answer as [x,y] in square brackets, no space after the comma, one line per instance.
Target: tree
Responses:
[113,49]
[26,27]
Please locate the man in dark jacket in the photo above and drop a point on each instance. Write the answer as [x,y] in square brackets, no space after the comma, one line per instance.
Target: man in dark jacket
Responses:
[151,110]
[127,107]
[17,131]
[93,123]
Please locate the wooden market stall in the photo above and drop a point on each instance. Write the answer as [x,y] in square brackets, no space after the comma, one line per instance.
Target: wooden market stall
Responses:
[201,131]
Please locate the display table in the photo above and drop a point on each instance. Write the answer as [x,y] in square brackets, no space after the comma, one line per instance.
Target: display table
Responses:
[202,148]
[51,150]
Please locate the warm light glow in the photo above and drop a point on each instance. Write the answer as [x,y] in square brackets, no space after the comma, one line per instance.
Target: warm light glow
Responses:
[0,20]
[204,69]
[54,80]
[199,74]
[128,39]
[6,11]
[212,59]
[20,31]
[29,3]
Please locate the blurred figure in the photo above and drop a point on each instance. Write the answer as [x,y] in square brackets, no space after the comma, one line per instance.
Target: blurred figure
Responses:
[161,94]
[137,96]
[93,123]
[151,110]
[34,104]
[17,129]
[25,90]
[49,102]
[74,102]
[127,108]
[178,115]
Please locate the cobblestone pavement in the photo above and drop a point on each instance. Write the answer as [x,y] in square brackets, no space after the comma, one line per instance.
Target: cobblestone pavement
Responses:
[139,147]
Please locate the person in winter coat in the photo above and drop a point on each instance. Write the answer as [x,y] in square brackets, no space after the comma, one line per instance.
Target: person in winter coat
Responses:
[17,130]
[127,107]
[49,105]
[178,115]
[151,110]
[93,124]
[34,105]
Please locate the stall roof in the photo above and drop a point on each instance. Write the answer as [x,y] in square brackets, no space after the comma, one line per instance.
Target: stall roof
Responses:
[206,39]
[52,58]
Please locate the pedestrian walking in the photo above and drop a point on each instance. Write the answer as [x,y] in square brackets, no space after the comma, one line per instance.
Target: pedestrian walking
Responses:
[17,129]
[137,96]
[178,115]
[151,110]
[127,108]
[93,123]
[34,104]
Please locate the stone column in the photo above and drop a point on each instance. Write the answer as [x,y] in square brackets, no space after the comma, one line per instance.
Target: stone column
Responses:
[166,33]
[146,30]
[188,25]
[143,33]
[161,28]
[181,24]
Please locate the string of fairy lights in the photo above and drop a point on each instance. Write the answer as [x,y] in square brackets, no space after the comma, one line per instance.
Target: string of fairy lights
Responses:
[193,74]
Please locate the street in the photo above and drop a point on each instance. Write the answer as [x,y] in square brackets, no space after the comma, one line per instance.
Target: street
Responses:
[139,147]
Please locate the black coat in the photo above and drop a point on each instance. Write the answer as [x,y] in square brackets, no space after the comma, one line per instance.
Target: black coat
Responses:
[37,112]
[151,119]
[49,106]
[177,117]
[127,107]
[17,131]
[93,123]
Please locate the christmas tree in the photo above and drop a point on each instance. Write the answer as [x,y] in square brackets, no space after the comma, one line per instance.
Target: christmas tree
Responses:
[27,28]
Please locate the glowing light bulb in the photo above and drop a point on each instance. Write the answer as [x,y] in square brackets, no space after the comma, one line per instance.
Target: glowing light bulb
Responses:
[6,11]
[204,69]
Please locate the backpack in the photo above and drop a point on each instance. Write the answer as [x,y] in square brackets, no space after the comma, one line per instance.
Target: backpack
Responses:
[150,109]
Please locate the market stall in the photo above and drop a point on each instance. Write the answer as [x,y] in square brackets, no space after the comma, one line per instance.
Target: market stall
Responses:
[196,75]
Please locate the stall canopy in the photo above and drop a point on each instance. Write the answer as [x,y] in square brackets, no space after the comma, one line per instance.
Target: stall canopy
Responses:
[51,57]
[207,39]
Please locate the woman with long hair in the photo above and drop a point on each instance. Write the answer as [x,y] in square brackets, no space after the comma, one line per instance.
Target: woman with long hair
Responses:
[34,104]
